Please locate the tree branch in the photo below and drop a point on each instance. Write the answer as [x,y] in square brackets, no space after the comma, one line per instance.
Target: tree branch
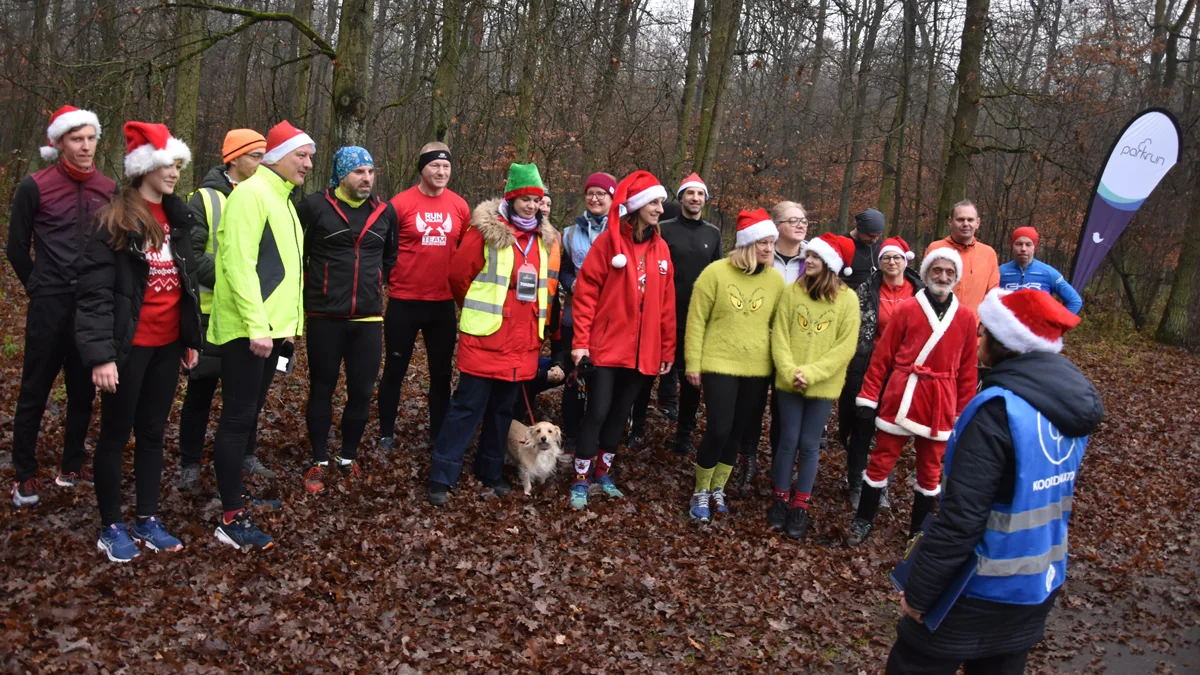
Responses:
[254,17]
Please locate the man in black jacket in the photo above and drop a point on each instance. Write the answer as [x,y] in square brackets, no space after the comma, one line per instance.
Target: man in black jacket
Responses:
[52,216]
[350,247]
[1012,465]
[241,153]
[694,243]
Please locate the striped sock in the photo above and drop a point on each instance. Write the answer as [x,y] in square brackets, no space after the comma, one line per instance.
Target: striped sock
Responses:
[800,500]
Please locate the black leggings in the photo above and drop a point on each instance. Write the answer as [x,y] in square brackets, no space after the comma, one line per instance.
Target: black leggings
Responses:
[438,325]
[906,659]
[610,393]
[142,402]
[730,403]
[330,342]
[245,381]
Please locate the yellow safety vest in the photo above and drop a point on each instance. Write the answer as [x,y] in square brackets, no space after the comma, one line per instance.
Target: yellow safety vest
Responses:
[213,201]
[483,307]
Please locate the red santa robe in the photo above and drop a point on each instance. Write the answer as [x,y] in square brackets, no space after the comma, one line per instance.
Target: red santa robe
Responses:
[932,365]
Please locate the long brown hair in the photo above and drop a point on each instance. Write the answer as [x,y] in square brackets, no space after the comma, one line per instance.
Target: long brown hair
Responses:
[630,219]
[824,286]
[128,214]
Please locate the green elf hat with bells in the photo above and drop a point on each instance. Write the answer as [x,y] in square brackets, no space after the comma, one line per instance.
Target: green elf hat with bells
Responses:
[523,179]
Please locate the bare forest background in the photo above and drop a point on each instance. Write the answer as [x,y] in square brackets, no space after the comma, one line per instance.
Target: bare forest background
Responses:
[902,105]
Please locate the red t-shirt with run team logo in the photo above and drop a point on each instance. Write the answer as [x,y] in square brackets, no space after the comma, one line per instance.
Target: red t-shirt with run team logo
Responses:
[158,324]
[430,230]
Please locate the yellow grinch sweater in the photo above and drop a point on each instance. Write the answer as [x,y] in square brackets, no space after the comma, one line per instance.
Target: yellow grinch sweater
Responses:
[729,321]
[816,337]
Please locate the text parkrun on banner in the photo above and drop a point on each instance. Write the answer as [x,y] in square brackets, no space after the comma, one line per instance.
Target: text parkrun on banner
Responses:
[1043,483]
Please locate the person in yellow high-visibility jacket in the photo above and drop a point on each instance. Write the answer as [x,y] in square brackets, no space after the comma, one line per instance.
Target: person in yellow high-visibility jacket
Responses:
[503,276]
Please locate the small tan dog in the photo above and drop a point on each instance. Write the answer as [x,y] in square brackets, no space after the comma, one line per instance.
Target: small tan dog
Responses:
[535,450]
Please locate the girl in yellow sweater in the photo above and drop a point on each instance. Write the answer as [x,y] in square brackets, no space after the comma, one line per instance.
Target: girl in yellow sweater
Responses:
[814,334]
[728,351]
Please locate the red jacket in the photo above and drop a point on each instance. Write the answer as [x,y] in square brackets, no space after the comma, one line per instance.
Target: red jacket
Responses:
[620,325]
[511,353]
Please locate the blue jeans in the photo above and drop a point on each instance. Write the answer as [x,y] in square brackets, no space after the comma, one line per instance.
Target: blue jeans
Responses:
[475,399]
[801,421]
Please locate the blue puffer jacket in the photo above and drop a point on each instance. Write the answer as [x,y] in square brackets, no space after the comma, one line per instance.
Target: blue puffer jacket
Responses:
[1040,277]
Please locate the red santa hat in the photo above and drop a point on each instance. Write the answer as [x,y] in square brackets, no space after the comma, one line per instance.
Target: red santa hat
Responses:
[692,181]
[754,225]
[633,192]
[284,138]
[63,120]
[896,245]
[943,253]
[834,250]
[1026,320]
[150,146]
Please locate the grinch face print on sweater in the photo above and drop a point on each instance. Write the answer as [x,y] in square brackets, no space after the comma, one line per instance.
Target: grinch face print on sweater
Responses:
[814,326]
[744,305]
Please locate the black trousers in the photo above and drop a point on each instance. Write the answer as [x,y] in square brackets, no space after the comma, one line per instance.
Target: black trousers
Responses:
[610,393]
[142,402]
[753,433]
[330,343]
[438,325]
[908,660]
[49,348]
[673,390]
[730,403]
[202,384]
[854,432]
[245,381]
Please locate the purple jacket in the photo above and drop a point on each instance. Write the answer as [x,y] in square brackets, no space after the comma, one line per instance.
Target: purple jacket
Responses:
[52,214]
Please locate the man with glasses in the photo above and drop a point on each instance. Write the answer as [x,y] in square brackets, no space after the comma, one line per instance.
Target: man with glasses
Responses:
[598,194]
[241,154]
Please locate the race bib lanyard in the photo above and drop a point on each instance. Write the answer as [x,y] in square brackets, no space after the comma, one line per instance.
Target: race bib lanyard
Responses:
[527,276]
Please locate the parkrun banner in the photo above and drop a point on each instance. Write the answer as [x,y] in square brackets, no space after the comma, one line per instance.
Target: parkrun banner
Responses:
[1147,148]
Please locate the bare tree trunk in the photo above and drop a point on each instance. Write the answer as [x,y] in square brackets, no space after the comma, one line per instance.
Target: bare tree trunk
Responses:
[954,182]
[1183,309]
[726,19]
[241,76]
[303,10]
[605,89]
[893,148]
[1190,90]
[187,89]
[525,81]
[860,110]
[348,123]
[1172,48]
[688,103]
[445,78]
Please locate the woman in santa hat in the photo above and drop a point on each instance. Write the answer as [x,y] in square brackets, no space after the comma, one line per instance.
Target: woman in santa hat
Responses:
[812,340]
[624,311]
[728,350]
[888,286]
[137,319]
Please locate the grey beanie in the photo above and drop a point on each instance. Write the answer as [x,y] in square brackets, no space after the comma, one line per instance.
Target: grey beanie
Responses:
[869,222]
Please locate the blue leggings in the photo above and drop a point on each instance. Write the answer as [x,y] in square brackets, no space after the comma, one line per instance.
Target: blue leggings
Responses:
[801,422]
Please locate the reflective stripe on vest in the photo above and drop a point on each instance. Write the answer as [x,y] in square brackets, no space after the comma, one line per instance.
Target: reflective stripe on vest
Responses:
[213,202]
[1022,556]
[483,306]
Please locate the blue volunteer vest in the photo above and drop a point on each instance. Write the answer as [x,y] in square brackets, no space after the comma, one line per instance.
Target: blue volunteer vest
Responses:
[1023,552]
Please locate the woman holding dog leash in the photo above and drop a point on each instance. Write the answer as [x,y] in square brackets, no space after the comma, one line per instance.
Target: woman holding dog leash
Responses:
[503,276]
[728,351]
[624,311]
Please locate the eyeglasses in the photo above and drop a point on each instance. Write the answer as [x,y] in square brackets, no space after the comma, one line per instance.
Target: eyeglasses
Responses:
[596,196]
[892,259]
[794,221]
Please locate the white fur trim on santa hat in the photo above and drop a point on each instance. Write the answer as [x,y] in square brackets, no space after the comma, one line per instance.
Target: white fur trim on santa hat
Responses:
[618,260]
[826,253]
[281,151]
[1008,329]
[63,124]
[760,230]
[908,255]
[692,184]
[637,201]
[145,158]
[944,253]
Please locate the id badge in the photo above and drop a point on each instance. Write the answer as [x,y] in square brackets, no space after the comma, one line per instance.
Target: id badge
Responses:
[527,283]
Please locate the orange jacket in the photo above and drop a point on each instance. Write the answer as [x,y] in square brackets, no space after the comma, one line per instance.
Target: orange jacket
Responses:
[981,270]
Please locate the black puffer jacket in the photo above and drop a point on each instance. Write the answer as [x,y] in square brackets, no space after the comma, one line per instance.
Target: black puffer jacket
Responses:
[868,307]
[348,254]
[112,286]
[983,473]
[206,263]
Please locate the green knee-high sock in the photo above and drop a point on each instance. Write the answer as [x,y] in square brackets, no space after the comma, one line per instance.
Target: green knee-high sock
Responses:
[721,475]
[703,477]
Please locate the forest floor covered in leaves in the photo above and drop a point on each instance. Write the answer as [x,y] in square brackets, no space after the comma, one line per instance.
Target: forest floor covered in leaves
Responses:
[368,578]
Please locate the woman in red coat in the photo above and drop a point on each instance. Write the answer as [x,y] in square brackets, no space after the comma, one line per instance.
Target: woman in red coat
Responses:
[624,311]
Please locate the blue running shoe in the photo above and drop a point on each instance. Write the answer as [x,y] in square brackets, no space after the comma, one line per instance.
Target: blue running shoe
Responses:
[243,534]
[579,496]
[718,501]
[117,545]
[606,484]
[155,537]
[699,504]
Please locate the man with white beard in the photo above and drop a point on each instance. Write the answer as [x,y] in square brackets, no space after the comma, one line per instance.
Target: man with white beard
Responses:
[921,377]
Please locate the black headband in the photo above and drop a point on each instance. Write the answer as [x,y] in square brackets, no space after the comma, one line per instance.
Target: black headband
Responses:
[431,156]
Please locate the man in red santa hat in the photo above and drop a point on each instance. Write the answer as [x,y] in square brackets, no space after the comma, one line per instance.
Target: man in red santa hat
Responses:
[922,374]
